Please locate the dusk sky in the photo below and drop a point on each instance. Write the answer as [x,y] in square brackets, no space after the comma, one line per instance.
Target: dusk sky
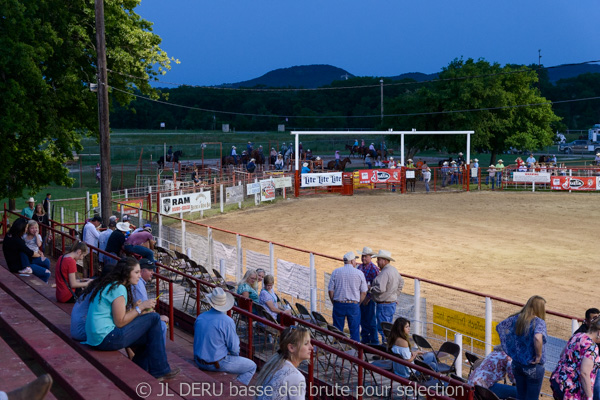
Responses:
[229,41]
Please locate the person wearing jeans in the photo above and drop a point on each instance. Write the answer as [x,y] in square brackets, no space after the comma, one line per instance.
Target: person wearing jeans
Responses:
[114,322]
[385,289]
[136,243]
[18,256]
[347,289]
[523,337]
[216,343]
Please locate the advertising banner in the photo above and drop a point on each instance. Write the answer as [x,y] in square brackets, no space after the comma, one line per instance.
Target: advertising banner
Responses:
[185,203]
[234,194]
[283,182]
[468,325]
[380,175]
[253,188]
[575,183]
[267,190]
[321,179]
[530,177]
[133,210]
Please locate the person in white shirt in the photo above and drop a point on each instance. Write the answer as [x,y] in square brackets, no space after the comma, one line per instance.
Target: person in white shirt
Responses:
[91,235]
[280,378]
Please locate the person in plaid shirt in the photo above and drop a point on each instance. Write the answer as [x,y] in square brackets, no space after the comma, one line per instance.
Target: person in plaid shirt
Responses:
[368,322]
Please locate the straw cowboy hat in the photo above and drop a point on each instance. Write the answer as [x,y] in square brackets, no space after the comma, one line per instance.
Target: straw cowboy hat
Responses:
[500,161]
[252,159]
[318,158]
[31,200]
[386,255]
[123,226]
[220,300]
[305,164]
[366,251]
[476,160]
[350,256]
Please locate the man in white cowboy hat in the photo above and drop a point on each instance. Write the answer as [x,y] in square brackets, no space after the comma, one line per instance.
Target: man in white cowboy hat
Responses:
[115,243]
[596,160]
[460,158]
[499,169]
[305,169]
[475,170]
[234,154]
[368,323]
[385,289]
[30,209]
[216,343]
[251,166]
[347,289]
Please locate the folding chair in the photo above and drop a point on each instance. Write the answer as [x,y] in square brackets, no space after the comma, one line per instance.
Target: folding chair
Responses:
[319,319]
[422,343]
[303,313]
[219,280]
[447,349]
[472,358]
[291,307]
[386,327]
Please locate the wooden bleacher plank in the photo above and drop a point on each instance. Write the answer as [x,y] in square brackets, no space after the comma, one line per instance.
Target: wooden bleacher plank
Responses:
[114,365]
[71,371]
[14,373]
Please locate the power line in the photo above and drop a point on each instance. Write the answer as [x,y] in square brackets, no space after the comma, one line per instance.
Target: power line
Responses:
[222,88]
[353,116]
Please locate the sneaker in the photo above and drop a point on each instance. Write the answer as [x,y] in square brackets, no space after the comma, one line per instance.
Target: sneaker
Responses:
[172,374]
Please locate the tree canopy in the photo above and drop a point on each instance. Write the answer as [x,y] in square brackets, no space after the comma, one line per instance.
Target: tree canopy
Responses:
[494,94]
[47,60]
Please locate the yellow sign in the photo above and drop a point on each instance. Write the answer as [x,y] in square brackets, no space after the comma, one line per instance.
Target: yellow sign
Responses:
[94,200]
[468,325]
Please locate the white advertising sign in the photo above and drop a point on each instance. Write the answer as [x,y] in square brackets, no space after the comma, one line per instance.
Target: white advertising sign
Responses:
[267,190]
[283,182]
[253,188]
[321,179]
[529,177]
[185,203]
[410,174]
[234,194]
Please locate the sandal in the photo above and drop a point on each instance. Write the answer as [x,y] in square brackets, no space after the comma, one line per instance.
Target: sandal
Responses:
[26,270]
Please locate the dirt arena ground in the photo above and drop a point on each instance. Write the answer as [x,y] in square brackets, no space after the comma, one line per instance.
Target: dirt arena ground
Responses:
[511,245]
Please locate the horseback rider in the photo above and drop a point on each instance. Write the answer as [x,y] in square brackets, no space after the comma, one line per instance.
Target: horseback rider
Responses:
[337,159]
[249,147]
[234,154]
[170,153]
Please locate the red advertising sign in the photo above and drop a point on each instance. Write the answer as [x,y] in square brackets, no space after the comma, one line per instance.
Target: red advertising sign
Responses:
[575,183]
[132,203]
[379,175]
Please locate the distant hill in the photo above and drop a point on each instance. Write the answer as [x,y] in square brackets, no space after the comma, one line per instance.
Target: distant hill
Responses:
[571,71]
[314,76]
[305,76]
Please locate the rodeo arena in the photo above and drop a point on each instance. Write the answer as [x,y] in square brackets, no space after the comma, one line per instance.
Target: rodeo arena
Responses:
[196,266]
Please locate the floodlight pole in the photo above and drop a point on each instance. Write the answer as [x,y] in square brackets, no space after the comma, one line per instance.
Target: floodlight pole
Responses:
[103,114]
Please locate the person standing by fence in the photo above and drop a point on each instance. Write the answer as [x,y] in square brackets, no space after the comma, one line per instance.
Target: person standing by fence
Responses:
[368,322]
[426,177]
[347,289]
[385,289]
[523,337]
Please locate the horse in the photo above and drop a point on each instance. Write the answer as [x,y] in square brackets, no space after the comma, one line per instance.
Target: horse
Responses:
[228,160]
[258,157]
[353,149]
[174,158]
[341,165]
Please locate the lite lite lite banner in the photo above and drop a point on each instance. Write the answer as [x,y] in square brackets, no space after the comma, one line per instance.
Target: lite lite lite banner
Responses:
[321,179]
[380,175]
[185,203]
[575,183]
[530,177]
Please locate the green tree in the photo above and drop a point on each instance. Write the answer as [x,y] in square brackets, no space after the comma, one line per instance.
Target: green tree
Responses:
[47,58]
[497,93]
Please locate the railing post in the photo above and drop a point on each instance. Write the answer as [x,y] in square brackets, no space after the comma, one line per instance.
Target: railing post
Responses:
[222,268]
[210,247]
[87,204]
[171,313]
[313,286]
[62,220]
[271,259]
[417,307]
[126,196]
[197,298]
[458,339]
[140,219]
[239,271]
[183,236]
[240,203]
[488,326]
[160,229]
[221,197]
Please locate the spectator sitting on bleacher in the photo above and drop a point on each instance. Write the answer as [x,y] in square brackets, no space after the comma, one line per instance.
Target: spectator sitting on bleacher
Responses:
[280,374]
[399,343]
[115,243]
[268,299]
[127,218]
[18,255]
[68,287]
[141,243]
[35,390]
[34,241]
[260,273]
[141,228]
[115,322]
[493,368]
[279,162]
[103,239]
[139,291]
[246,286]
[216,343]
[41,217]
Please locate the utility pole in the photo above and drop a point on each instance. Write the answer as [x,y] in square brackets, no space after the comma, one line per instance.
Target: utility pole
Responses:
[103,118]
[381,83]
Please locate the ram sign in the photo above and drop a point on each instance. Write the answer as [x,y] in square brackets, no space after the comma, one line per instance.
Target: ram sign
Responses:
[185,203]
